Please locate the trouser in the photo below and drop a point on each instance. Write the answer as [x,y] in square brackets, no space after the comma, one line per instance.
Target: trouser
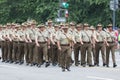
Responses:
[86,49]
[50,52]
[31,47]
[111,48]
[55,54]
[10,49]
[3,49]
[21,51]
[65,56]
[26,53]
[94,54]
[5,56]
[100,47]
[77,47]
[15,51]
[42,51]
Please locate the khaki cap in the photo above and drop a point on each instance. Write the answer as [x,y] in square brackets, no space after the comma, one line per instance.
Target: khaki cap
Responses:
[56,25]
[109,25]
[72,23]
[40,25]
[86,25]
[49,21]
[79,25]
[8,24]
[99,25]
[92,27]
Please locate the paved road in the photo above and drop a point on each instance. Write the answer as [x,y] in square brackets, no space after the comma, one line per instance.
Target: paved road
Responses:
[23,72]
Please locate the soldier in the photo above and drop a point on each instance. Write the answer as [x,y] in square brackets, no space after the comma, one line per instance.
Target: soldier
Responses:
[72,30]
[94,40]
[9,42]
[26,50]
[41,40]
[54,43]
[64,45]
[31,41]
[15,43]
[21,36]
[5,46]
[51,30]
[77,46]
[2,38]
[100,44]
[110,45]
[86,37]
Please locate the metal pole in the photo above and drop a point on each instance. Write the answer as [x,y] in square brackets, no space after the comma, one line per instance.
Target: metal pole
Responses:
[114,13]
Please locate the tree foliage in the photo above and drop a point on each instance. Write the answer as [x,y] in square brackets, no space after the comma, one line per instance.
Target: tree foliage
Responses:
[91,11]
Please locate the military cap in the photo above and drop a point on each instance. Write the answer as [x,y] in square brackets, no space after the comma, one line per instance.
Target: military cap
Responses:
[109,25]
[8,24]
[99,25]
[79,25]
[92,27]
[61,24]
[49,21]
[32,22]
[17,25]
[66,24]
[72,23]
[40,25]
[86,25]
[65,27]
[56,25]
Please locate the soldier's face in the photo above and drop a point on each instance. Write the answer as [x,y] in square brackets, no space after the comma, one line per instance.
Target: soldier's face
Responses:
[79,28]
[49,24]
[72,26]
[86,27]
[65,29]
[99,28]
[42,28]
[110,28]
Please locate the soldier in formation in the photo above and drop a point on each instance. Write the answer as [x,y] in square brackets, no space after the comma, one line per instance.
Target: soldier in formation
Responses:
[54,44]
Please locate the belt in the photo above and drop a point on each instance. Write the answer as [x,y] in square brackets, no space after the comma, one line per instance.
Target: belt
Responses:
[78,43]
[42,42]
[33,40]
[15,41]
[110,42]
[65,44]
[86,42]
[99,42]
[21,41]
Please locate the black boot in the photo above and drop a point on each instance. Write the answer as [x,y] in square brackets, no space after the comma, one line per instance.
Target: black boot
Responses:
[107,65]
[114,65]
[104,64]
[39,65]
[68,69]
[63,69]
[47,64]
